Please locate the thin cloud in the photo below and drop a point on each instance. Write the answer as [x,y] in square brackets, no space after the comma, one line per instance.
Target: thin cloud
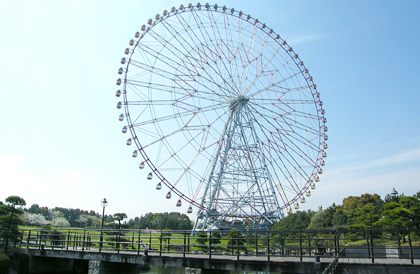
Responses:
[400,158]
[303,39]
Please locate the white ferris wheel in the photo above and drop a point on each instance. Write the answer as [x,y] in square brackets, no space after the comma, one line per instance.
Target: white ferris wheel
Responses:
[223,114]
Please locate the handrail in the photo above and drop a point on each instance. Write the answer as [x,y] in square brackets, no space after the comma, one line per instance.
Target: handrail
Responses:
[370,243]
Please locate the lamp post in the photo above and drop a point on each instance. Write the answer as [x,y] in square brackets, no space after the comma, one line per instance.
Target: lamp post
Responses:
[104,203]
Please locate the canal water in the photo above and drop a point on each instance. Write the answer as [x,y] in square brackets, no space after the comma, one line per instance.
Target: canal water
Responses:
[181,270]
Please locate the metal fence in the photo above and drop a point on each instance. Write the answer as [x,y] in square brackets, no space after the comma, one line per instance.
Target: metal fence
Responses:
[369,244]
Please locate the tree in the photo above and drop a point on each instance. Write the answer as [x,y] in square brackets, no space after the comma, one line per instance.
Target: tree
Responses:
[166,235]
[34,219]
[119,217]
[235,240]
[202,240]
[9,223]
[216,238]
[294,221]
[60,221]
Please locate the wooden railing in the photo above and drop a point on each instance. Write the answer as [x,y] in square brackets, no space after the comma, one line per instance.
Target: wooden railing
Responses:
[371,244]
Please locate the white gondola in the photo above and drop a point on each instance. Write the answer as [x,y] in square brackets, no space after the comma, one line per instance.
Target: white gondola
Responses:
[296,205]
[149,176]
[119,81]
[131,43]
[189,211]
[135,153]
[313,186]
[320,171]
[119,105]
[289,210]
[137,35]
[124,129]
[178,204]
[143,28]
[118,93]
[123,60]
[121,117]
[150,21]
[302,200]
[325,146]
[159,186]
[129,142]
[322,163]
[141,166]
[325,137]
[168,195]
[324,154]
[316,179]
[127,51]
[308,193]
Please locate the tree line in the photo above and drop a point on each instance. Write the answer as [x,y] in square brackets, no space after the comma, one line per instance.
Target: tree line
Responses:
[364,212]
[68,217]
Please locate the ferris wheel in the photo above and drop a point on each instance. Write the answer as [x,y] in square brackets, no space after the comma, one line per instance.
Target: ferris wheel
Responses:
[223,115]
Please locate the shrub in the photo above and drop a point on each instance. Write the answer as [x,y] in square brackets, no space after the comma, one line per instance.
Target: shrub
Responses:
[5,263]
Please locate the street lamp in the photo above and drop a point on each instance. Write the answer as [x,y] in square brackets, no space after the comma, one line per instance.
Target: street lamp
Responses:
[104,203]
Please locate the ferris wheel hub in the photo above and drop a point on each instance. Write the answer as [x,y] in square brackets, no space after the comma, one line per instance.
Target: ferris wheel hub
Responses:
[241,99]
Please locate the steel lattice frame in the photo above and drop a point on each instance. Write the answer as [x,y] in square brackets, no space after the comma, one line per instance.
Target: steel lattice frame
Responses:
[224,113]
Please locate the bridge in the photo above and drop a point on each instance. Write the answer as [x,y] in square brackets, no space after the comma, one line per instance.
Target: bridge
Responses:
[304,251]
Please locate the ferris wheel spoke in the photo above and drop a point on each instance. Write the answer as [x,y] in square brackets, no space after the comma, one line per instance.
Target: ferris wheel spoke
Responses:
[199,60]
[274,85]
[285,146]
[290,137]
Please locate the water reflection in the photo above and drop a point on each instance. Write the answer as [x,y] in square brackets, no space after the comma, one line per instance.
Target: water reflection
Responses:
[181,270]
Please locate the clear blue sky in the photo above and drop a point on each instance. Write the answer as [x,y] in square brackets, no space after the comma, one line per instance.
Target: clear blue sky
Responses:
[61,142]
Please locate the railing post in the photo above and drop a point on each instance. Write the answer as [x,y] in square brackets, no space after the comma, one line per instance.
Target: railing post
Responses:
[309,243]
[84,240]
[300,245]
[371,246]
[335,244]
[399,244]
[185,240]
[237,245]
[410,247]
[138,242]
[68,240]
[160,244]
[268,245]
[282,243]
[188,245]
[256,244]
[29,238]
[209,245]
[150,239]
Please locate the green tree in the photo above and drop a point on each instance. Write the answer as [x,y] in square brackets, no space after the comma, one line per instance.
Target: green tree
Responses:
[202,240]
[363,211]
[294,221]
[405,214]
[119,217]
[216,238]
[235,240]
[9,222]
[339,218]
[166,235]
